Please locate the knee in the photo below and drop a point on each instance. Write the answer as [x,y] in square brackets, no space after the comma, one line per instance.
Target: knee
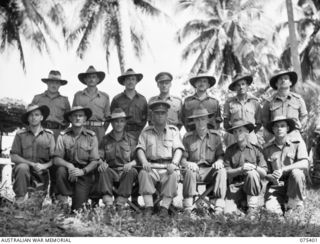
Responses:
[143,174]
[61,172]
[297,175]
[22,168]
[222,174]
[189,174]
[133,172]
[253,174]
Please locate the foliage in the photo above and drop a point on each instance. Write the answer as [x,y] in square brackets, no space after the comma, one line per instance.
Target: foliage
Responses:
[11,111]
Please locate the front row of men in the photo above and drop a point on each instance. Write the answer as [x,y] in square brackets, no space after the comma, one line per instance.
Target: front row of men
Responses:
[119,164]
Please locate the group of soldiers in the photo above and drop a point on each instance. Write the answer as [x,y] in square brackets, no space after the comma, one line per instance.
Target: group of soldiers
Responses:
[68,146]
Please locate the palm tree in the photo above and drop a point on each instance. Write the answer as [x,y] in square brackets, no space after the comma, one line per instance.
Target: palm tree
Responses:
[122,27]
[229,35]
[22,19]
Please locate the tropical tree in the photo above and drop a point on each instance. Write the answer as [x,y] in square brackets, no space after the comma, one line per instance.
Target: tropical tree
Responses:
[228,36]
[123,27]
[27,20]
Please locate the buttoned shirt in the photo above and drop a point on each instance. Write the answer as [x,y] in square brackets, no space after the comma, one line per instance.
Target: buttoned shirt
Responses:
[174,112]
[193,102]
[99,103]
[78,150]
[291,152]
[37,149]
[292,107]
[247,110]
[160,145]
[58,105]
[117,152]
[136,107]
[208,148]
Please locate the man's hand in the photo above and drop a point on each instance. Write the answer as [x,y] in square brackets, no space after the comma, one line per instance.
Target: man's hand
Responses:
[248,167]
[170,168]
[72,178]
[128,166]
[193,166]
[38,167]
[146,166]
[277,174]
[218,164]
[102,167]
[76,172]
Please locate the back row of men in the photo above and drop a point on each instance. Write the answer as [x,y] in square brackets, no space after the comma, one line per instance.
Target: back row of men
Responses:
[82,170]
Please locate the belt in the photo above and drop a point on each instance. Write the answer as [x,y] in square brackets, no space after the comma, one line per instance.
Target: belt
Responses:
[95,123]
[161,161]
[53,125]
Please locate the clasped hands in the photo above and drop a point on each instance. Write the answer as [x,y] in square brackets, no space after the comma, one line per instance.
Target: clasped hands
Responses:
[194,166]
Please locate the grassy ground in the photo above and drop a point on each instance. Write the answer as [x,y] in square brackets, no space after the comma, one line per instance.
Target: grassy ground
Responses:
[50,221]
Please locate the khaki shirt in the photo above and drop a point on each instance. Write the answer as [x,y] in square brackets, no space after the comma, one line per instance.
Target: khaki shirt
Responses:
[37,149]
[248,110]
[58,106]
[174,112]
[193,102]
[277,157]
[209,148]
[137,108]
[99,103]
[117,153]
[292,107]
[77,150]
[160,145]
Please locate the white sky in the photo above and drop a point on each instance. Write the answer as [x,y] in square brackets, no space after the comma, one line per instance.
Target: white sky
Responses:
[166,52]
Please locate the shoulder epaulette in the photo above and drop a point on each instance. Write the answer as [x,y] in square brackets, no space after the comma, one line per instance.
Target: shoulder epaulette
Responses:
[152,98]
[296,95]
[90,132]
[104,94]
[23,130]
[188,134]
[149,127]
[48,130]
[173,127]
[253,97]
[214,132]
[268,144]
[65,131]
[176,97]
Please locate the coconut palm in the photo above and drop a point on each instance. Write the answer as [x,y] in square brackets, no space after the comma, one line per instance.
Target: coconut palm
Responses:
[22,20]
[227,36]
[122,25]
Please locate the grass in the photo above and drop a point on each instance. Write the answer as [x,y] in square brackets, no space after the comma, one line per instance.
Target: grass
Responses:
[50,221]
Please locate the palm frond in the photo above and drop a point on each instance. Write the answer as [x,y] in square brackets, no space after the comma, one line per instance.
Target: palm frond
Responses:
[147,7]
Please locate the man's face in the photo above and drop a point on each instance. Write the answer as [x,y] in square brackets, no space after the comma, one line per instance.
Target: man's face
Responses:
[78,118]
[159,117]
[91,80]
[283,82]
[241,87]
[118,124]
[35,117]
[201,123]
[202,84]
[53,86]
[240,133]
[280,128]
[130,82]
[164,86]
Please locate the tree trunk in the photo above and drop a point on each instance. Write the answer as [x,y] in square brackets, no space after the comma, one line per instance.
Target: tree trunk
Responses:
[125,51]
[294,45]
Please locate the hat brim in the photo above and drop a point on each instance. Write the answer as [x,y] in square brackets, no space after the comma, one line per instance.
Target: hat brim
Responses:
[249,126]
[293,78]
[101,75]
[87,112]
[211,79]
[63,82]
[192,117]
[110,119]
[121,78]
[290,122]
[247,78]
[45,111]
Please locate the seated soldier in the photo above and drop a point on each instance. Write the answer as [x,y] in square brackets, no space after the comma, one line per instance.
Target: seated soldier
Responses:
[159,150]
[287,159]
[117,160]
[31,151]
[76,158]
[203,159]
[245,167]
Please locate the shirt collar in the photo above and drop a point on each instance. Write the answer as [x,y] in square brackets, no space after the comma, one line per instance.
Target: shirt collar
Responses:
[195,96]
[29,130]
[125,95]
[288,96]
[169,97]
[47,94]
[124,136]
[85,92]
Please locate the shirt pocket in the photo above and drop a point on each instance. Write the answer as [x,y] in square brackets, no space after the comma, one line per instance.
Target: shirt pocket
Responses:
[84,152]
[210,153]
[125,152]
[293,109]
[275,109]
[136,112]
[194,154]
[289,159]
[109,152]
[27,151]
[43,152]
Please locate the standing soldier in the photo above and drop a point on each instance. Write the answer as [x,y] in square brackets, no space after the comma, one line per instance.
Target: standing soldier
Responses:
[159,150]
[58,105]
[97,101]
[76,158]
[164,82]
[243,106]
[117,154]
[201,99]
[245,167]
[132,102]
[203,159]
[285,102]
[287,162]
[31,151]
